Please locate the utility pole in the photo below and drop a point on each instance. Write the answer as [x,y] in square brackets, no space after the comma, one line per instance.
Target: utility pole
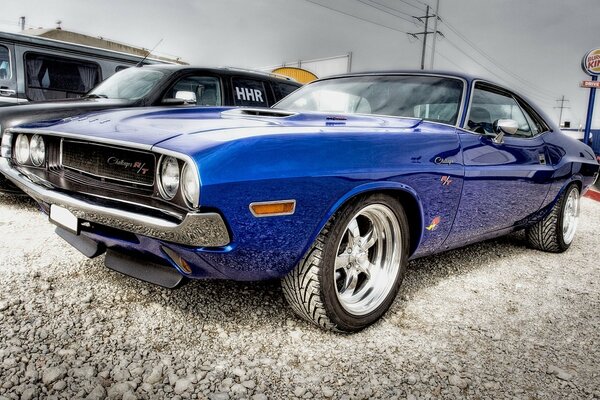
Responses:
[435,32]
[425,19]
[562,106]
[22,23]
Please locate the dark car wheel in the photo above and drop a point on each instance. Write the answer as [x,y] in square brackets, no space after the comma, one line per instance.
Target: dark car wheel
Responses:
[352,273]
[556,231]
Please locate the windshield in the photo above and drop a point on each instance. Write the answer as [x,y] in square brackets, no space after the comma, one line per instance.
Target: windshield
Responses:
[428,97]
[129,84]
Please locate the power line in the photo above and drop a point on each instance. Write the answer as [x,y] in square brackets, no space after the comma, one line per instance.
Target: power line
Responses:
[391,10]
[356,17]
[382,10]
[495,62]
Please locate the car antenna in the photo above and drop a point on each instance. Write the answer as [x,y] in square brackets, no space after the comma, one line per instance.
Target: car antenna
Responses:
[141,63]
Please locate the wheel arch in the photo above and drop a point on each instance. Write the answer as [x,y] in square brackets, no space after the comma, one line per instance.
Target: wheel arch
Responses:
[405,195]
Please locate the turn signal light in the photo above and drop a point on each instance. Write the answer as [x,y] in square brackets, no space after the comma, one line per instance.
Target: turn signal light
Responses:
[273,208]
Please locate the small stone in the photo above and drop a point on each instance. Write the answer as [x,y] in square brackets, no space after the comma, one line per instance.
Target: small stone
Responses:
[218,396]
[29,394]
[559,373]
[87,298]
[182,385]
[129,396]
[260,396]
[3,305]
[327,392]
[457,381]
[239,372]
[60,385]
[249,384]
[99,393]
[411,379]
[299,391]
[155,376]
[238,390]
[53,374]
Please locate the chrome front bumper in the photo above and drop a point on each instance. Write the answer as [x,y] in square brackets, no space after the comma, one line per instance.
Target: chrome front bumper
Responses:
[196,229]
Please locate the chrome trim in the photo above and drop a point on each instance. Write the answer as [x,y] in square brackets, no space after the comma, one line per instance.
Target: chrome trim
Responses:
[104,176]
[85,138]
[125,144]
[196,229]
[264,203]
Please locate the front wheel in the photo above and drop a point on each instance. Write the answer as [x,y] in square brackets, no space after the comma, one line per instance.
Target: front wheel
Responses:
[351,275]
[556,231]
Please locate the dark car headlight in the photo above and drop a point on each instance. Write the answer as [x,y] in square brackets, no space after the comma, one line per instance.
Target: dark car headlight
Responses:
[190,185]
[168,177]
[22,149]
[37,150]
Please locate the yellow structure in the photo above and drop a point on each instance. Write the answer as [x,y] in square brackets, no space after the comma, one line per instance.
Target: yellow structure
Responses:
[301,75]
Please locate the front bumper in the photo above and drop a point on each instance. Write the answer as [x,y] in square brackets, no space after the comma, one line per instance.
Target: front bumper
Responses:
[195,229]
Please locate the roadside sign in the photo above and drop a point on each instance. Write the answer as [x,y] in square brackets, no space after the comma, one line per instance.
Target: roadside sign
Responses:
[590,84]
[591,62]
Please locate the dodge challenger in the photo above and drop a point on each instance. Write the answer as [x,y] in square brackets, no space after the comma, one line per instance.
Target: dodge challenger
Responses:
[332,190]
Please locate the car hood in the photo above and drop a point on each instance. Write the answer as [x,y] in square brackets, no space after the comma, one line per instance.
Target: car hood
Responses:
[151,126]
[55,110]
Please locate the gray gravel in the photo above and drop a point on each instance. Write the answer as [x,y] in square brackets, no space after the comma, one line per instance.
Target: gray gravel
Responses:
[494,320]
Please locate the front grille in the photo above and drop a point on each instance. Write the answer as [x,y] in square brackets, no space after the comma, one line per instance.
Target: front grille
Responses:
[109,163]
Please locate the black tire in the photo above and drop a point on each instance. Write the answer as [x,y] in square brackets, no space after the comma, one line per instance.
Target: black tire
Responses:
[547,234]
[310,288]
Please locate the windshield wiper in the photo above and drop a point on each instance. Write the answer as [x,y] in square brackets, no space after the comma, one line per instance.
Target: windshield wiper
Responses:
[96,96]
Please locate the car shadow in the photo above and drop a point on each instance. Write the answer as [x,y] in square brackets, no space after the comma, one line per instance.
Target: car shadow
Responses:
[244,304]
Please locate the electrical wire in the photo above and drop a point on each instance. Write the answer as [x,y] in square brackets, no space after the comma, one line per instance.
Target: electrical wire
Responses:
[382,10]
[356,17]
[498,64]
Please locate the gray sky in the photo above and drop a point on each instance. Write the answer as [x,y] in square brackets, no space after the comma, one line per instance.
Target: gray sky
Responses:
[532,46]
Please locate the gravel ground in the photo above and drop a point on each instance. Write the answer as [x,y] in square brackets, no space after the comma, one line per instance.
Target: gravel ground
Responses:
[493,320]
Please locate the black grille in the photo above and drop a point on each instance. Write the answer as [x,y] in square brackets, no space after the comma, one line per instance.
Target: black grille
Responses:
[109,162]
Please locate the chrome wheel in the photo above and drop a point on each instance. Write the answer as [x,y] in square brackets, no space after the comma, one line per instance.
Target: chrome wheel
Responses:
[570,216]
[368,259]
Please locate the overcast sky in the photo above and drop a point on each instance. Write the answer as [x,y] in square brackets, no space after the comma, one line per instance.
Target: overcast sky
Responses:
[532,46]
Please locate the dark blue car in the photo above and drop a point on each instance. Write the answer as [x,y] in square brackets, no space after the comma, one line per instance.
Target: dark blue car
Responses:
[333,190]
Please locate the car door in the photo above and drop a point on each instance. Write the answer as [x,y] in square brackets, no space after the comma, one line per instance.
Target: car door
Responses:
[505,181]
[8,77]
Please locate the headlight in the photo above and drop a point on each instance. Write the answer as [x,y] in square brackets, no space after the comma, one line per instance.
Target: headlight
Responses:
[168,179]
[189,185]
[37,150]
[7,145]
[22,149]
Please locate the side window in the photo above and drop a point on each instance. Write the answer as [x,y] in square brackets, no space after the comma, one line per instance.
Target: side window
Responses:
[249,93]
[5,68]
[52,77]
[282,89]
[198,90]
[536,122]
[489,105]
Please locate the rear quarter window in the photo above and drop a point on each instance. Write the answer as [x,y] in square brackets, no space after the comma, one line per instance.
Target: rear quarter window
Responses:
[249,92]
[282,89]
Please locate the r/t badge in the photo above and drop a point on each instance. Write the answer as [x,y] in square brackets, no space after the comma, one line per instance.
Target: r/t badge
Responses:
[446,181]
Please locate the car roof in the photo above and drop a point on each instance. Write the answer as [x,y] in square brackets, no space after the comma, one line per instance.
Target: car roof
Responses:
[448,73]
[223,71]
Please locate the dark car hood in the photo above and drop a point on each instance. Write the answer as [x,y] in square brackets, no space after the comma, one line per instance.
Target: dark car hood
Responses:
[55,110]
[150,126]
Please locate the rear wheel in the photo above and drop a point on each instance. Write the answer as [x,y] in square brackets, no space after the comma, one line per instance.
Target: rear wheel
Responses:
[556,231]
[352,273]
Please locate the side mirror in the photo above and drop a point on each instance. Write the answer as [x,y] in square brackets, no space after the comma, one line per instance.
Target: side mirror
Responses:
[187,97]
[504,127]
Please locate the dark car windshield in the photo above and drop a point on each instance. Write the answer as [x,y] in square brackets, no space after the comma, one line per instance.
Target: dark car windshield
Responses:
[129,84]
[428,97]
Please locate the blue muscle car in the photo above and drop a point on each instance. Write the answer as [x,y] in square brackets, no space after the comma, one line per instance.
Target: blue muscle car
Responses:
[333,190]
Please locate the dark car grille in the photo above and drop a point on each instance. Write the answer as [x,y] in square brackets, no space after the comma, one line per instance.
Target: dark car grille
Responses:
[108,162]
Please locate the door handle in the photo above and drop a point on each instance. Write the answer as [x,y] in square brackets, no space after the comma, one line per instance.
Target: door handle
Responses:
[7,92]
